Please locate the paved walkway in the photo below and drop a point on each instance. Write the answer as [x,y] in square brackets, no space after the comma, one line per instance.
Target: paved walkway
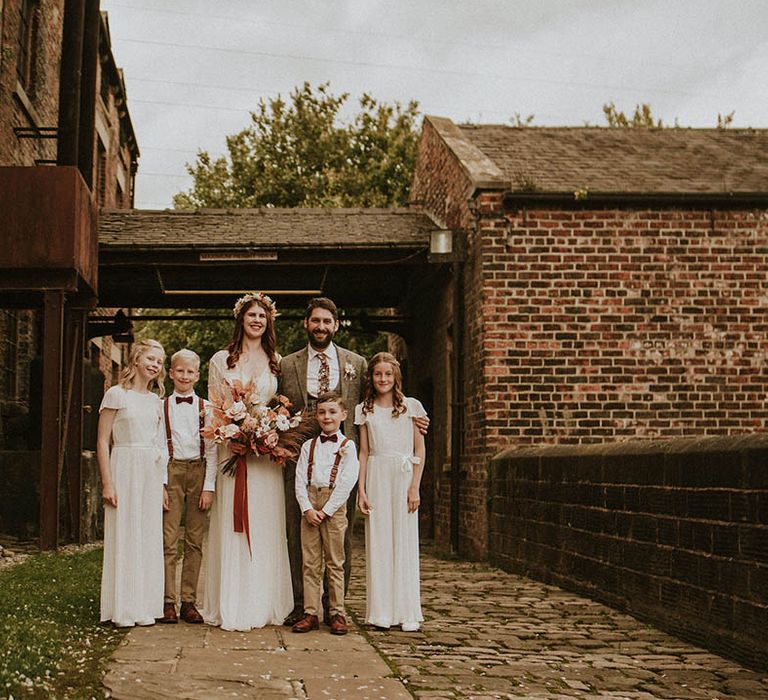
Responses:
[487,635]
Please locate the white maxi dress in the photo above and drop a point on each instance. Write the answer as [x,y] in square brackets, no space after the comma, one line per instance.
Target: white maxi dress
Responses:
[246,588]
[393,594]
[132,574]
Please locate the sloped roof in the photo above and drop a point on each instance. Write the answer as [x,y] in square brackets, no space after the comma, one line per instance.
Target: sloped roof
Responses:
[673,160]
[268,227]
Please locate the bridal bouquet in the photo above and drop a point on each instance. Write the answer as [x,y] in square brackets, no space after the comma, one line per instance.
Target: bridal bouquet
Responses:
[247,425]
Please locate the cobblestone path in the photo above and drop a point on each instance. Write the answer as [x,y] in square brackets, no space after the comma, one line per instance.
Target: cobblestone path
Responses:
[494,635]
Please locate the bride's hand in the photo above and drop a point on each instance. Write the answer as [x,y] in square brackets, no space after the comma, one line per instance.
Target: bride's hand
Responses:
[363,503]
[238,448]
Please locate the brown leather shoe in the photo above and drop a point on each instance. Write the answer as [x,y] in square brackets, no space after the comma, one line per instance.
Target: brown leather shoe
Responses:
[169,614]
[294,616]
[190,614]
[308,624]
[338,624]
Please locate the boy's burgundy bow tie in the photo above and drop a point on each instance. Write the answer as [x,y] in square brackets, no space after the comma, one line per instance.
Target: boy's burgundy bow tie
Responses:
[327,438]
[183,399]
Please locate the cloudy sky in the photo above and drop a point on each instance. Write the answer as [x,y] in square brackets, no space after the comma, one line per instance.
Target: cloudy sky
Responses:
[195,68]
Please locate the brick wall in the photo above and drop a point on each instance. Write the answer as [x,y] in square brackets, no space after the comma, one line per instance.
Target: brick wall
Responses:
[36,107]
[442,188]
[626,324]
[673,531]
[595,326]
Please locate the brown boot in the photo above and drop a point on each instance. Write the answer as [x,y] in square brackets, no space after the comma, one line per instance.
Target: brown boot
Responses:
[308,624]
[169,614]
[190,614]
[338,624]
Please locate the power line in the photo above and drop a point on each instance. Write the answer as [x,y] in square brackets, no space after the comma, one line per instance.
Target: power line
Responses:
[394,66]
[143,172]
[415,39]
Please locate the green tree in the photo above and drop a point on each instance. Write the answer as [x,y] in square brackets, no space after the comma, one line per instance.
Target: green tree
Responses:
[642,117]
[298,153]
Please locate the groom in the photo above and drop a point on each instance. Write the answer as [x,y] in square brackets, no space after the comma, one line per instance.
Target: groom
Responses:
[321,366]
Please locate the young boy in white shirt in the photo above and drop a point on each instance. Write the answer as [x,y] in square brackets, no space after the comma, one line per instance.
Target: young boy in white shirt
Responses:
[191,478]
[326,473]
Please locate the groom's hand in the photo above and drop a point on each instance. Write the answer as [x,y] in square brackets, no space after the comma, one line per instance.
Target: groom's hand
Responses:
[422,423]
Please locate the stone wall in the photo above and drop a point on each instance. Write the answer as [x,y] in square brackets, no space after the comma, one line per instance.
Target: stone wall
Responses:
[672,531]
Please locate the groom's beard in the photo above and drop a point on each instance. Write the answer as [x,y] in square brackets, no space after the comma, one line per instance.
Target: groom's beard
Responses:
[320,340]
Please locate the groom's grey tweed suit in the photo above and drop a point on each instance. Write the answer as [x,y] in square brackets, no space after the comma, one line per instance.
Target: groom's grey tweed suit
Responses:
[293,384]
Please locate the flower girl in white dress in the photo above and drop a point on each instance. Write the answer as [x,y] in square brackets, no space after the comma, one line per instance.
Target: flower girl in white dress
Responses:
[391,465]
[132,490]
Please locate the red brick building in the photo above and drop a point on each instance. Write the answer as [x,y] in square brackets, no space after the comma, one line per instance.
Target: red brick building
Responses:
[67,146]
[614,289]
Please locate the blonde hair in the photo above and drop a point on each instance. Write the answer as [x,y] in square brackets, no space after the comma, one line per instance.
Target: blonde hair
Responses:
[398,398]
[129,371]
[185,354]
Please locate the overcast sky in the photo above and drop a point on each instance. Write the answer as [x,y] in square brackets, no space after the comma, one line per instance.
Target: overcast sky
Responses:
[195,68]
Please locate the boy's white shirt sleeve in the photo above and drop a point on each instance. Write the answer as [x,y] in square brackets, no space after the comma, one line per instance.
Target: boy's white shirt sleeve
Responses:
[349,469]
[301,478]
[211,453]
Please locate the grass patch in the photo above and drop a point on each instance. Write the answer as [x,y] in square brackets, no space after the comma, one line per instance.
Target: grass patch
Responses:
[51,642]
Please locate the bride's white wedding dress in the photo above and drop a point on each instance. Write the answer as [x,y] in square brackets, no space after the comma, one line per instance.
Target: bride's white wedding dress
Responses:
[246,589]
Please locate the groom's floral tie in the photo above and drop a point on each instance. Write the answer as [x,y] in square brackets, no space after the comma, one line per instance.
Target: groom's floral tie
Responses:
[324,374]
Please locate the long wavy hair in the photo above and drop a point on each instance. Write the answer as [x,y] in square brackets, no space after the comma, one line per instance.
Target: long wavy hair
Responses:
[268,339]
[139,348]
[398,398]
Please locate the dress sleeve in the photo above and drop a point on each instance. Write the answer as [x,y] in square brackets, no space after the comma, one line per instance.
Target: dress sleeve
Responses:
[216,378]
[113,398]
[415,409]
[360,417]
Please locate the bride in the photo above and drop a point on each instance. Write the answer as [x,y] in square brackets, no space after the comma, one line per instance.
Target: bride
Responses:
[248,579]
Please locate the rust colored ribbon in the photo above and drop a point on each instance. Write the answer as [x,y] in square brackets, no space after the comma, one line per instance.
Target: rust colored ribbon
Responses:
[240,509]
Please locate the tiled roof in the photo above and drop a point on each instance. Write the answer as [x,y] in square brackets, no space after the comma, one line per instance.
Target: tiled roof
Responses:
[265,227]
[544,159]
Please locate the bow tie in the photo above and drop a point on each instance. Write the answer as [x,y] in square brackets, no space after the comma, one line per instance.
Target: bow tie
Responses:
[329,438]
[184,399]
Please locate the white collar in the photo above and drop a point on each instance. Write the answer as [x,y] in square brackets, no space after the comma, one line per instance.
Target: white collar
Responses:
[330,351]
[183,396]
[340,437]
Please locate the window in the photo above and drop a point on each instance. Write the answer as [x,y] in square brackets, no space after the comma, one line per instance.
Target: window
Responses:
[26,63]
[101,174]
[104,90]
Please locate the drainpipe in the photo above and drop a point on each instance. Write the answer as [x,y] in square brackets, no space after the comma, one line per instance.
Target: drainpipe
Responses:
[91,32]
[457,392]
[69,83]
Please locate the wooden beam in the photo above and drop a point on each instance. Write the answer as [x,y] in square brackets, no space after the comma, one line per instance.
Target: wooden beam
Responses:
[52,342]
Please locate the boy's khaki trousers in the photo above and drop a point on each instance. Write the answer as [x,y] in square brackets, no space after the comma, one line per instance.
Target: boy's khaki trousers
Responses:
[185,483]
[323,541]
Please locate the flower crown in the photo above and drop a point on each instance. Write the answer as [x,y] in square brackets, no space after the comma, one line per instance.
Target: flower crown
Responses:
[249,298]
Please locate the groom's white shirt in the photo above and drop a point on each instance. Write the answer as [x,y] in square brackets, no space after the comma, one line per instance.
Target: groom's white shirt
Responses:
[313,368]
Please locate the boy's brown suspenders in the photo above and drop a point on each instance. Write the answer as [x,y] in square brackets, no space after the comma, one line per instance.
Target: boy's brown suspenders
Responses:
[169,439]
[334,468]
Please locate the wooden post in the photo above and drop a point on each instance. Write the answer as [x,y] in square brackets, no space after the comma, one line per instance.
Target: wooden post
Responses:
[52,342]
[72,435]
